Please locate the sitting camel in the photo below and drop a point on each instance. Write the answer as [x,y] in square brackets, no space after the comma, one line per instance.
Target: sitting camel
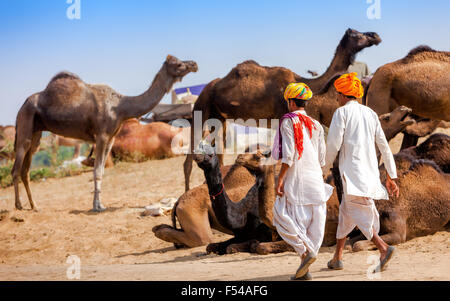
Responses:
[242,217]
[195,213]
[436,148]
[420,209]
[138,142]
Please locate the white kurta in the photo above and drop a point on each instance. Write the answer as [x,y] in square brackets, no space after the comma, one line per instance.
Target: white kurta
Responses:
[304,183]
[354,131]
[300,215]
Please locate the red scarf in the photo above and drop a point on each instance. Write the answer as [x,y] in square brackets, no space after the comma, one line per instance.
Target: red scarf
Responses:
[298,130]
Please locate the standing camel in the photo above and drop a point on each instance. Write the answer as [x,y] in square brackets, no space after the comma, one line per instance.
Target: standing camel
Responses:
[420,81]
[94,113]
[251,91]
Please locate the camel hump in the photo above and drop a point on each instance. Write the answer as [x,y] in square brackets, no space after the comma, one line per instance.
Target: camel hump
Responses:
[419,49]
[249,62]
[425,162]
[64,75]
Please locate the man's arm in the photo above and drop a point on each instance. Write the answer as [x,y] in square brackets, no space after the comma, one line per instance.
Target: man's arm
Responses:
[334,139]
[322,146]
[281,178]
[388,159]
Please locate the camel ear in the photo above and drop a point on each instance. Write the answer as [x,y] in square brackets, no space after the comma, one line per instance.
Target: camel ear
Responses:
[169,57]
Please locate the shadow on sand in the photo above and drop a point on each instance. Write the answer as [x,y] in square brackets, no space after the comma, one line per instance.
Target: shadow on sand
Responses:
[90,212]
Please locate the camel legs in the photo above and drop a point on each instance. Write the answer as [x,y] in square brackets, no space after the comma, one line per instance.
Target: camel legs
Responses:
[195,231]
[26,142]
[102,148]
[224,139]
[275,247]
[26,167]
[188,170]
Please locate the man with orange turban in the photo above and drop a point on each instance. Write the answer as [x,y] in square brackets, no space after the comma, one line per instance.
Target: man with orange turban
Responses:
[299,212]
[354,131]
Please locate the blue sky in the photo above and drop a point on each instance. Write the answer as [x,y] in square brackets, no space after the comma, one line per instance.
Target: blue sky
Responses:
[123,42]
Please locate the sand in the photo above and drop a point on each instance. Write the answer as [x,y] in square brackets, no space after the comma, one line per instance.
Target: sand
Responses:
[119,244]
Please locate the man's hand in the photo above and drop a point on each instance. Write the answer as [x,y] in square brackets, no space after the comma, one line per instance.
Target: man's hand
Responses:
[282,176]
[280,188]
[392,187]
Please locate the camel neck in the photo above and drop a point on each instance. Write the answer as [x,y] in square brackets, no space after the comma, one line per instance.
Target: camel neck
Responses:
[266,190]
[342,59]
[136,106]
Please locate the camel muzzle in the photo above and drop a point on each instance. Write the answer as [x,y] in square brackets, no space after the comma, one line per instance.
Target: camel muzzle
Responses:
[373,37]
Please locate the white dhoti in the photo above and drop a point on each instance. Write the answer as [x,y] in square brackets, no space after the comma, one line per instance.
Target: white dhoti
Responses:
[301,226]
[358,212]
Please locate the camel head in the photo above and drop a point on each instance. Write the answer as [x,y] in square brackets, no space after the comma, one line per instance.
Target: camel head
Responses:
[395,121]
[255,162]
[178,69]
[205,156]
[357,41]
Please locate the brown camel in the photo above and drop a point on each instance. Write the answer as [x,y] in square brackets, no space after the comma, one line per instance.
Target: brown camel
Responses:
[150,141]
[196,216]
[420,81]
[436,148]
[94,113]
[421,128]
[137,142]
[255,92]
[420,210]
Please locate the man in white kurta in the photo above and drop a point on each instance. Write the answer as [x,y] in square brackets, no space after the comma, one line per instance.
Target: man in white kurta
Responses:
[299,213]
[354,131]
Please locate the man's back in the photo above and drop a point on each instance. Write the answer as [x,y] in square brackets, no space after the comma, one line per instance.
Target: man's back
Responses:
[354,131]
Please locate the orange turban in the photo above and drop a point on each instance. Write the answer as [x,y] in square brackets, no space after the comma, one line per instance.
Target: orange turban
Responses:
[349,85]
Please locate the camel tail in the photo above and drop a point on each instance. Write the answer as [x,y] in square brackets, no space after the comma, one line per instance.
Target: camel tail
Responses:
[174,215]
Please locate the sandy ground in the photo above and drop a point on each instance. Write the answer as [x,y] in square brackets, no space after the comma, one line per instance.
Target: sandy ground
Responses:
[119,244]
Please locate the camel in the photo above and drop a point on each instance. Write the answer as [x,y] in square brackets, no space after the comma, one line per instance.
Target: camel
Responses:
[150,141]
[419,81]
[252,91]
[196,216]
[72,108]
[136,142]
[420,210]
[241,217]
[422,127]
[195,213]
[436,148]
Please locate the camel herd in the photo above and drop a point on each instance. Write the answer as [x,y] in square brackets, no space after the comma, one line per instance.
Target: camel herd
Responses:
[411,96]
